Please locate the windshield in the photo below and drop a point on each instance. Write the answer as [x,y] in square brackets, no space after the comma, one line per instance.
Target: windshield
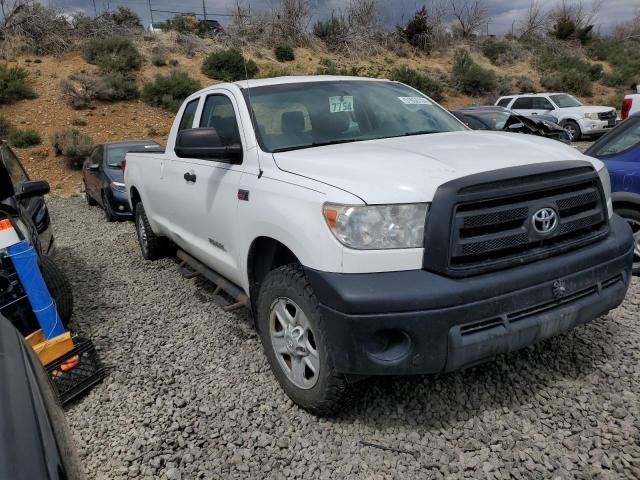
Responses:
[303,115]
[566,101]
[495,120]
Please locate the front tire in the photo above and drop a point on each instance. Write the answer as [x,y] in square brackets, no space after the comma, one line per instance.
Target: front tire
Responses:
[152,246]
[59,288]
[108,213]
[573,130]
[632,217]
[290,326]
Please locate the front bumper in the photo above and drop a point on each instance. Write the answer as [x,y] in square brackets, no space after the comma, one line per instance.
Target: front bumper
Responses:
[421,322]
[594,127]
[119,202]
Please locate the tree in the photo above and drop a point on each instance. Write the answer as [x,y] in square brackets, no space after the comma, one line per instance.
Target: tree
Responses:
[574,20]
[535,20]
[470,15]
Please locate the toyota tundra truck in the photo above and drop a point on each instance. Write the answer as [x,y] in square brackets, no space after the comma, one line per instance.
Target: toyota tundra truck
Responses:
[371,233]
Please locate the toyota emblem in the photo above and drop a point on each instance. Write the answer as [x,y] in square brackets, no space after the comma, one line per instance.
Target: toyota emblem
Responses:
[545,220]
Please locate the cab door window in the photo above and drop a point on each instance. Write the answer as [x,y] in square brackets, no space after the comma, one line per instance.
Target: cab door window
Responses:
[218,113]
[189,115]
[523,103]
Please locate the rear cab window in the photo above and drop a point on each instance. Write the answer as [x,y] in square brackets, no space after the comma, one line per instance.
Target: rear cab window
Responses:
[504,102]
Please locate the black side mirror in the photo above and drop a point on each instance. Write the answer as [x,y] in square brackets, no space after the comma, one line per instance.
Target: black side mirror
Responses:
[36,188]
[93,167]
[205,143]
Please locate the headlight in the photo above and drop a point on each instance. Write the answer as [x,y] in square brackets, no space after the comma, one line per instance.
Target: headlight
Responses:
[603,173]
[377,227]
[591,116]
[119,186]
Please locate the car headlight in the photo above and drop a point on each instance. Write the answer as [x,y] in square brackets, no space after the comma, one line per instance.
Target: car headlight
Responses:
[377,227]
[119,186]
[603,173]
[591,116]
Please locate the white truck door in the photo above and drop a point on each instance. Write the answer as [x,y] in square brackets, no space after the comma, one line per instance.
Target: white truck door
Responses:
[205,210]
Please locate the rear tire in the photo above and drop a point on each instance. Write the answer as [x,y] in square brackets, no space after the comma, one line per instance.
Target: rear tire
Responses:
[152,246]
[59,288]
[290,326]
[632,217]
[90,201]
[573,130]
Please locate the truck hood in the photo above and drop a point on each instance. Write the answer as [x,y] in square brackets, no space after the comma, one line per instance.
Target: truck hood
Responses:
[410,169]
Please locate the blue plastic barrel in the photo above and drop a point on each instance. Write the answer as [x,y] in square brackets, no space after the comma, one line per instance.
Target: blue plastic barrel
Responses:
[25,261]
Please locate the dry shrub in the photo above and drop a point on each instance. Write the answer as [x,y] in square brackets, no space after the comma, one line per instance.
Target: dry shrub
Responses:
[73,145]
[82,89]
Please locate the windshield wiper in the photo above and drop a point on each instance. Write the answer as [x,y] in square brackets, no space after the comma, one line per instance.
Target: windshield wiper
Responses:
[320,144]
[421,132]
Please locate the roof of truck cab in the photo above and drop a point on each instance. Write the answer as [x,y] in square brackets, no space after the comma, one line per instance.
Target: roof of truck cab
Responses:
[262,82]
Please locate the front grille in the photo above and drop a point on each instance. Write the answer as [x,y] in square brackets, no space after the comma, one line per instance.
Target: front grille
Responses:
[611,114]
[492,223]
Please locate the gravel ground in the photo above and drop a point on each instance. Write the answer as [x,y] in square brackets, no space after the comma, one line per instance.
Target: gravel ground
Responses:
[190,394]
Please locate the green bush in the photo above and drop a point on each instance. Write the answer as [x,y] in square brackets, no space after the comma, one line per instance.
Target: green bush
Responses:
[115,54]
[419,81]
[73,145]
[332,32]
[549,62]
[124,17]
[570,81]
[186,23]
[284,53]
[158,60]
[525,85]
[418,32]
[168,91]
[501,52]
[173,62]
[5,127]
[470,77]
[14,85]
[229,66]
[23,138]
[624,58]
[121,86]
[329,67]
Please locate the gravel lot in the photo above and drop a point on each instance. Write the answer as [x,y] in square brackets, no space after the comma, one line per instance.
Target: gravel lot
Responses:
[190,394]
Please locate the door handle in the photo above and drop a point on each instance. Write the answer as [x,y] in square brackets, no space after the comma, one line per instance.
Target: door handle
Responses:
[190,177]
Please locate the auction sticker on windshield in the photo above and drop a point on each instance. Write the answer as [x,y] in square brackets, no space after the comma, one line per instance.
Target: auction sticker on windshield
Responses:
[341,104]
[415,101]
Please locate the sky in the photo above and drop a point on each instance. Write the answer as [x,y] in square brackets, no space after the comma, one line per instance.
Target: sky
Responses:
[503,12]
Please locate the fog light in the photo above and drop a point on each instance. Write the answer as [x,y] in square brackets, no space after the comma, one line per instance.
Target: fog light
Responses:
[388,346]
[121,208]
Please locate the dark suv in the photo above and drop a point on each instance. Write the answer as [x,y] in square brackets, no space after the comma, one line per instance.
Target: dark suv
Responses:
[22,202]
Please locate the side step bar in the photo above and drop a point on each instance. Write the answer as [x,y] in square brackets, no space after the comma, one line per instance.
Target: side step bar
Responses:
[221,283]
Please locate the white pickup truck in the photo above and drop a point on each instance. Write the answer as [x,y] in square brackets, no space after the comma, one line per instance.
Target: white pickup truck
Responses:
[371,233]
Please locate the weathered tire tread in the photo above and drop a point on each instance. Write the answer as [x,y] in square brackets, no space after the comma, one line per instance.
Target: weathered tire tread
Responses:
[339,393]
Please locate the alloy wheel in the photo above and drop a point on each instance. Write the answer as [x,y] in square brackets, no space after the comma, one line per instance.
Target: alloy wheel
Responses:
[635,227]
[294,344]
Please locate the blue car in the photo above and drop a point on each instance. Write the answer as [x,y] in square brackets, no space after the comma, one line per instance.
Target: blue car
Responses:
[620,151]
[103,180]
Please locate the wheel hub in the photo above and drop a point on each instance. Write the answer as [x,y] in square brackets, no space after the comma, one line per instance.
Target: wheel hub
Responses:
[292,338]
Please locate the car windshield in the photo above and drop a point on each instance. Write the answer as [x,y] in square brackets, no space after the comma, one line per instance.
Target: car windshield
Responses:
[613,144]
[292,116]
[495,119]
[566,101]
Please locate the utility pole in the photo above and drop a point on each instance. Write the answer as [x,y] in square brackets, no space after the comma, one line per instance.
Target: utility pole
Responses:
[150,12]
[95,10]
[204,10]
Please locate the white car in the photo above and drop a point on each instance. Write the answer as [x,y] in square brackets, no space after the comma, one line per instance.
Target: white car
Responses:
[579,120]
[371,233]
